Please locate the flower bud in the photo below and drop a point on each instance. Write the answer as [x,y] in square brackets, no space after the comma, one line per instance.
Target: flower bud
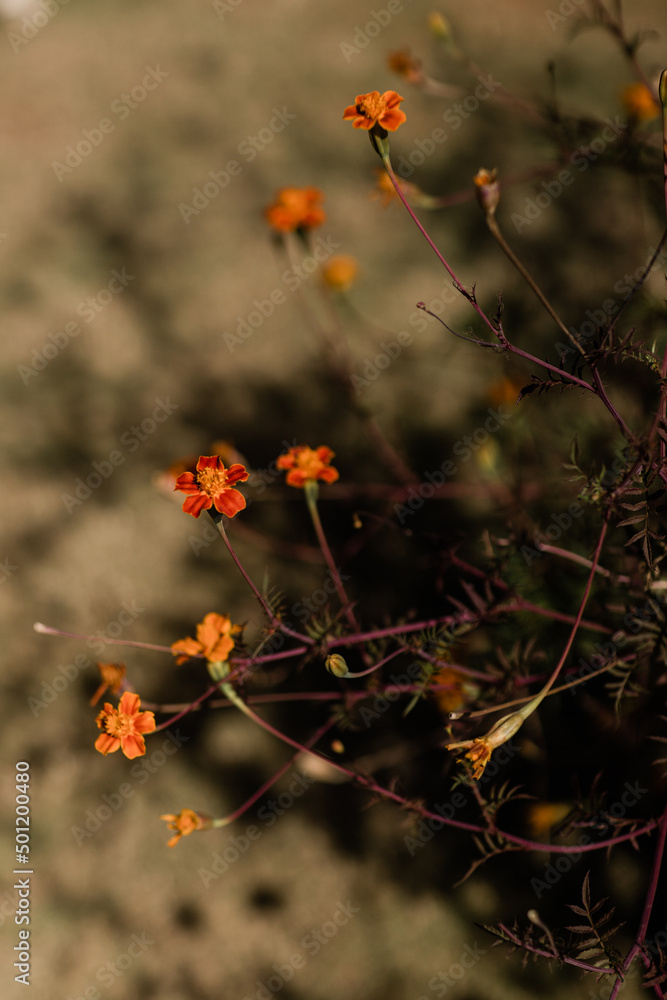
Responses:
[340,272]
[336,665]
[487,190]
[439,25]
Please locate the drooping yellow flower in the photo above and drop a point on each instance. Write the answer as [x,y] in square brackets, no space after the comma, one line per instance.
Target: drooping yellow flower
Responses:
[480,748]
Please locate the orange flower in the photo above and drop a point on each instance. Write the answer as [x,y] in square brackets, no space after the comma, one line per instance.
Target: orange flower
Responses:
[340,272]
[542,816]
[505,391]
[479,749]
[454,695]
[479,754]
[164,479]
[214,640]
[639,102]
[211,486]
[112,678]
[124,727]
[308,464]
[296,208]
[185,823]
[374,109]
[406,65]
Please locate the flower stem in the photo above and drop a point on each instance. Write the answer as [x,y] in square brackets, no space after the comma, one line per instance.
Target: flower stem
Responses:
[480,312]
[310,491]
[514,260]
[275,622]
[226,820]
[575,628]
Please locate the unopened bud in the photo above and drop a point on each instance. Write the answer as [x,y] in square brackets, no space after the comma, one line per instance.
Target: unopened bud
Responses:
[662,88]
[487,190]
[439,25]
[336,665]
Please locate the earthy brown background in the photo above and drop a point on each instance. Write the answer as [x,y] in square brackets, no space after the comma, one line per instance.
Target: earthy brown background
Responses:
[129,544]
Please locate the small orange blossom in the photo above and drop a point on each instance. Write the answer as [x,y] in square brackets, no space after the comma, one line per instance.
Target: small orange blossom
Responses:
[112,679]
[375,109]
[296,208]
[453,696]
[340,272]
[185,823]
[406,65]
[639,102]
[123,727]
[306,464]
[211,486]
[214,640]
[480,748]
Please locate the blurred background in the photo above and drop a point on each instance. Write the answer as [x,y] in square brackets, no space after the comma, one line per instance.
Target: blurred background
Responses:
[129,276]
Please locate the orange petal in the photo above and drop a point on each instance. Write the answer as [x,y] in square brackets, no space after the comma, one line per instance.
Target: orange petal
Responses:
[107,744]
[133,746]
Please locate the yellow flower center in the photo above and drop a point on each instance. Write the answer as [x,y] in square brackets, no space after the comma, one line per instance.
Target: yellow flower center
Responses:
[372,106]
[212,481]
[119,725]
[310,463]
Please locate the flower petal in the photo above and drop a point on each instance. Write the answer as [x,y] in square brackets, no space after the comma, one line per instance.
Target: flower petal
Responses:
[229,503]
[129,703]
[194,505]
[133,746]
[107,744]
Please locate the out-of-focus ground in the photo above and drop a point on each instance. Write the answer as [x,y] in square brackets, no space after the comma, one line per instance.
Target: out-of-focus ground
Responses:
[71,401]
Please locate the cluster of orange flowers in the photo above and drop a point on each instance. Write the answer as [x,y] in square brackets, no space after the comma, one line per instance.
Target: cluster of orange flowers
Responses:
[212,484]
